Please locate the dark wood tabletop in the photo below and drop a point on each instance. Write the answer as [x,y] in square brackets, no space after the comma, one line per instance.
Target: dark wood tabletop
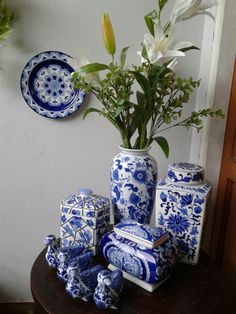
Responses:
[190,290]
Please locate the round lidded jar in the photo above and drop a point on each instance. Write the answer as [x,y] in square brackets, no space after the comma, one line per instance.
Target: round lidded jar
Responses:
[185,173]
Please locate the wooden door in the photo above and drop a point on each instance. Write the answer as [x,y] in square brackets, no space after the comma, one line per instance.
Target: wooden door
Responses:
[223,247]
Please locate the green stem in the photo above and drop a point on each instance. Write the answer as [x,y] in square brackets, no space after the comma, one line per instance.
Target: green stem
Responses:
[143,136]
[125,140]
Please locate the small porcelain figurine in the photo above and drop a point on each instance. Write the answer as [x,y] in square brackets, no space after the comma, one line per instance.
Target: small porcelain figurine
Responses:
[82,284]
[75,250]
[73,283]
[83,261]
[63,257]
[52,250]
[108,289]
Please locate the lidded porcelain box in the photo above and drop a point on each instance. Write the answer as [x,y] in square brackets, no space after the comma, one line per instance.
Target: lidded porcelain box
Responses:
[145,254]
[181,202]
[84,218]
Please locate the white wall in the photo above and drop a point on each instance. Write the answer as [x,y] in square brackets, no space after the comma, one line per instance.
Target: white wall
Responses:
[43,160]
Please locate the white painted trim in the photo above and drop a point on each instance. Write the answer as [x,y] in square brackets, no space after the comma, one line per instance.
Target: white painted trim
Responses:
[212,79]
[208,75]
[219,94]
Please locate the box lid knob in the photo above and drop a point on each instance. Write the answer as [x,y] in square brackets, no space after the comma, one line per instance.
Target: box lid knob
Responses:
[85,192]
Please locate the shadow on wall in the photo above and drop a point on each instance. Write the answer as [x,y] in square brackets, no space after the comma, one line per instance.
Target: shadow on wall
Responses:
[4,295]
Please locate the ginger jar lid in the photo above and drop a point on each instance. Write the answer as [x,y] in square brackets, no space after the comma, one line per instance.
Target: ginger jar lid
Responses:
[146,235]
[185,173]
[86,199]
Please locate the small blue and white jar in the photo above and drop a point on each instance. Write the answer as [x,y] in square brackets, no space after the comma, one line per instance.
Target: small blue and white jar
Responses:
[133,184]
[84,218]
[146,267]
[182,198]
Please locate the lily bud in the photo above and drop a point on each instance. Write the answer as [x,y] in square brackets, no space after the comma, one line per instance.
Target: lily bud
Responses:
[108,34]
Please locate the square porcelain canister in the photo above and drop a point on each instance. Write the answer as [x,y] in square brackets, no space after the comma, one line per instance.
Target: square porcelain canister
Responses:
[84,218]
[181,203]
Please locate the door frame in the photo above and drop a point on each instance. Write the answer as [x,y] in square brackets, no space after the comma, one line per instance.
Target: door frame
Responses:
[210,143]
[225,182]
[218,96]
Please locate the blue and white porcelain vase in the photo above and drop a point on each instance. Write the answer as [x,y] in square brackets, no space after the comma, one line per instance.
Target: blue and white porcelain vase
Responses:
[181,204]
[133,183]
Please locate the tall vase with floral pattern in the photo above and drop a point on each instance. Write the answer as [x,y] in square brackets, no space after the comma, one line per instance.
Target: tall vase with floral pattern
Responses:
[133,183]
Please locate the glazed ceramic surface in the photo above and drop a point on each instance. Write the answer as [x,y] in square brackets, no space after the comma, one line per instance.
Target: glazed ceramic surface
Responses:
[46,85]
[150,265]
[145,235]
[52,250]
[65,256]
[109,286]
[85,217]
[185,173]
[82,284]
[181,210]
[133,182]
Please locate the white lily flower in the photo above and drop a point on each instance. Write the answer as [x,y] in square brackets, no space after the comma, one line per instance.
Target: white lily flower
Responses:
[158,46]
[173,65]
[186,9]
[143,60]
[77,64]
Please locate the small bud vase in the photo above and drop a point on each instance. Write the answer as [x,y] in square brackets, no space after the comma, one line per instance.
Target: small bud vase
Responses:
[133,183]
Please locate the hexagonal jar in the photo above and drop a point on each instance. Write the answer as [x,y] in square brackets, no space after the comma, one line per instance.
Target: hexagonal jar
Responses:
[84,218]
[181,203]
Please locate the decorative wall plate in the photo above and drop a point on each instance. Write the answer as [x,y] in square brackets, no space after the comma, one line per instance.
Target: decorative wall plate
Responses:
[46,85]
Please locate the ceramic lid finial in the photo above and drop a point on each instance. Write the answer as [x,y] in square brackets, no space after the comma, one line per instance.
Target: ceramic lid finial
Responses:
[85,192]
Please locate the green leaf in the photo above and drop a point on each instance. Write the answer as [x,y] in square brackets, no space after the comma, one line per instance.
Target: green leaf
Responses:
[93,67]
[89,110]
[144,53]
[143,82]
[140,98]
[189,48]
[123,56]
[6,19]
[109,118]
[162,3]
[149,20]
[162,142]
[122,107]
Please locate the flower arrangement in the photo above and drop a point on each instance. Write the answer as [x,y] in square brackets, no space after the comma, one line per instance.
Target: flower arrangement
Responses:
[6,19]
[140,115]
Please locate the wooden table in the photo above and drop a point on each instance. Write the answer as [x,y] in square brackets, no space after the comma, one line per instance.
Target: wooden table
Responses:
[190,290]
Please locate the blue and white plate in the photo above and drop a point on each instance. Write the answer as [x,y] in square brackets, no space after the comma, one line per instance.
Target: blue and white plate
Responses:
[46,85]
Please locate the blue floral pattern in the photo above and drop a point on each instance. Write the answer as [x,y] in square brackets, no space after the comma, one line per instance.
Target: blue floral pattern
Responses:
[133,182]
[150,265]
[186,173]
[180,209]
